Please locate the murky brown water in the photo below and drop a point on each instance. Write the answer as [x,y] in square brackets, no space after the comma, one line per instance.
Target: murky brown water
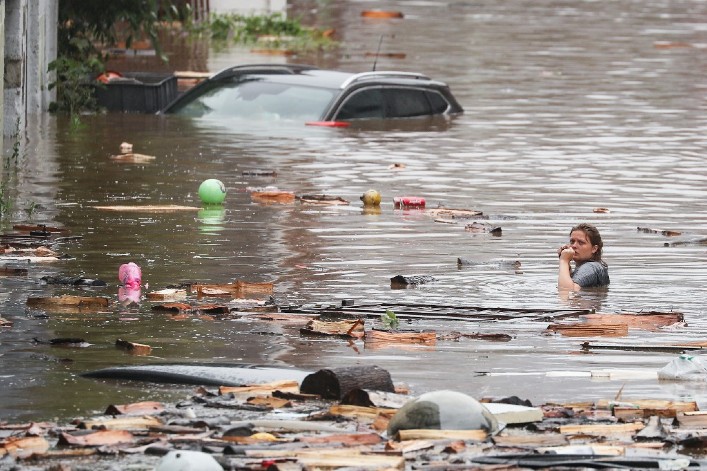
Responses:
[570,106]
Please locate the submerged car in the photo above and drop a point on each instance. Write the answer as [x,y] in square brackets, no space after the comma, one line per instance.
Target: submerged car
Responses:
[315,96]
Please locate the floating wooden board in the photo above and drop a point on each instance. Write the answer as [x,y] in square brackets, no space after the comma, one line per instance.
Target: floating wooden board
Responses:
[67,300]
[136,408]
[239,289]
[601,429]
[151,208]
[648,321]
[417,338]
[348,329]
[133,158]
[169,294]
[122,423]
[430,434]
[589,330]
[267,388]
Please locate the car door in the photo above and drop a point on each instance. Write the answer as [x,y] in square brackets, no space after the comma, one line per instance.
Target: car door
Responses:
[390,102]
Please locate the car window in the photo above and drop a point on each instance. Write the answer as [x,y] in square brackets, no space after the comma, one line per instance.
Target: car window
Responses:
[437,101]
[406,103]
[257,99]
[366,103]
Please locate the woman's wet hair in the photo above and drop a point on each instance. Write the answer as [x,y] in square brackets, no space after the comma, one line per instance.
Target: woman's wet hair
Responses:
[594,238]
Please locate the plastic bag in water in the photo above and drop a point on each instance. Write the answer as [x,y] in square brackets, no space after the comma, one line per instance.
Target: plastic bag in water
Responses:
[684,368]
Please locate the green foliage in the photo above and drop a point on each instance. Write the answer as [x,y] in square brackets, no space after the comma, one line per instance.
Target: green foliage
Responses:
[74,87]
[275,30]
[390,320]
[87,27]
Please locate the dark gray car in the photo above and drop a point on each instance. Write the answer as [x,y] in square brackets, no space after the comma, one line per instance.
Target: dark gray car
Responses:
[308,94]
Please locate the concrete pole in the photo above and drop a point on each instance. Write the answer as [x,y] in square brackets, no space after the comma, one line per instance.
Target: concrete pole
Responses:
[15,55]
[41,47]
[2,71]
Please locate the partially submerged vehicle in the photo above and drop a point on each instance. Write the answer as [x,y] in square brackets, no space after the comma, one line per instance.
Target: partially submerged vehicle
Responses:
[274,92]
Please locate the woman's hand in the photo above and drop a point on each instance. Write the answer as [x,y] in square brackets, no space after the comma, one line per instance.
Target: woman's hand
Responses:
[566,254]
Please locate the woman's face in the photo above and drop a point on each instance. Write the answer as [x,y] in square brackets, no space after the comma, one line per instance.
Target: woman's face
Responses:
[583,248]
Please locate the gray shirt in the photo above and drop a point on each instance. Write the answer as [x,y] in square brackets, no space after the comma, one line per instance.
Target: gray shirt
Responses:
[591,274]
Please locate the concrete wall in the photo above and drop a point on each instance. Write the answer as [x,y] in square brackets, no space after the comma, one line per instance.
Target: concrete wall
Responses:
[30,44]
[2,69]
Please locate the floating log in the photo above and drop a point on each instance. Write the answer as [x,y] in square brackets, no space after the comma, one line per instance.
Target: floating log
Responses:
[346,329]
[402,281]
[133,347]
[589,330]
[67,300]
[335,383]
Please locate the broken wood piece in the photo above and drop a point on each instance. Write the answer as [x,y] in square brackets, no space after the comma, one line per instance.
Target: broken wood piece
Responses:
[133,347]
[601,429]
[154,208]
[336,382]
[8,271]
[347,329]
[266,388]
[648,321]
[359,412]
[5,323]
[68,300]
[346,439]
[478,227]
[453,213]
[168,294]
[692,419]
[100,438]
[489,337]
[589,330]
[23,447]
[661,407]
[320,461]
[172,307]
[39,228]
[133,158]
[434,434]
[528,440]
[667,233]
[269,401]
[376,338]
[273,196]
[369,398]
[121,423]
[136,408]
[403,281]
[323,200]
[239,289]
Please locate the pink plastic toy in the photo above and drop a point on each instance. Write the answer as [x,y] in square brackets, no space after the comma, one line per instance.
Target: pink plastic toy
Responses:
[130,275]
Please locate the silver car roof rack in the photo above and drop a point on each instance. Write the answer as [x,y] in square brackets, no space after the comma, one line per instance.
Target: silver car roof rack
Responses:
[369,75]
[264,68]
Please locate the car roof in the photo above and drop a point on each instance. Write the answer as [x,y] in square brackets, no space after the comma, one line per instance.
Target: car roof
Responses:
[332,79]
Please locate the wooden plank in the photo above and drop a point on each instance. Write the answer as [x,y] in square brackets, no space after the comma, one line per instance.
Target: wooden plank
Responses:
[353,461]
[348,329]
[388,338]
[648,321]
[601,429]
[150,208]
[68,300]
[692,419]
[360,412]
[122,423]
[431,434]
[589,330]
[136,408]
[542,439]
[266,388]
[652,404]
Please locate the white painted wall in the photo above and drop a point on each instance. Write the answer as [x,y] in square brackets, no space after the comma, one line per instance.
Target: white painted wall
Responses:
[248,7]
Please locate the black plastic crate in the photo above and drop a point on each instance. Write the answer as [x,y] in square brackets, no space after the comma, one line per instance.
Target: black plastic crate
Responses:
[138,92]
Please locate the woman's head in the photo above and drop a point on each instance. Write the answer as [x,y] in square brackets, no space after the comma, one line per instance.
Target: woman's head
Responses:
[586,242]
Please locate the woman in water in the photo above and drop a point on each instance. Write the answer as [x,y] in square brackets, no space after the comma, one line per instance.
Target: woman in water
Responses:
[585,250]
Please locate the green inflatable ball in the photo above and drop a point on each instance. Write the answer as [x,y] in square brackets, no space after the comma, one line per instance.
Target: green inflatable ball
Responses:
[212,191]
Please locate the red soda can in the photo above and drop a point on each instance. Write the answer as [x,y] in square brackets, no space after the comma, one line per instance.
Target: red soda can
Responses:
[409,202]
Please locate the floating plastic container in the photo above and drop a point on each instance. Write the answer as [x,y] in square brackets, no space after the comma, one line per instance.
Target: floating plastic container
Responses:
[137,92]
[409,202]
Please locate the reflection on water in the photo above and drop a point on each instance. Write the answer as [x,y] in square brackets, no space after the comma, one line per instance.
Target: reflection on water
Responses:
[569,107]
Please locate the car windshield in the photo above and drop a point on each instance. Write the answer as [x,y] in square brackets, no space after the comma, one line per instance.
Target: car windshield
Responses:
[259,99]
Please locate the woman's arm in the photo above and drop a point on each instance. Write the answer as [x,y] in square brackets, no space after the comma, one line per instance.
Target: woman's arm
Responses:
[564,279]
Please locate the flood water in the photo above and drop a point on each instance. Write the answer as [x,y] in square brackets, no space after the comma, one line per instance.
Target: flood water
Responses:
[569,106]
